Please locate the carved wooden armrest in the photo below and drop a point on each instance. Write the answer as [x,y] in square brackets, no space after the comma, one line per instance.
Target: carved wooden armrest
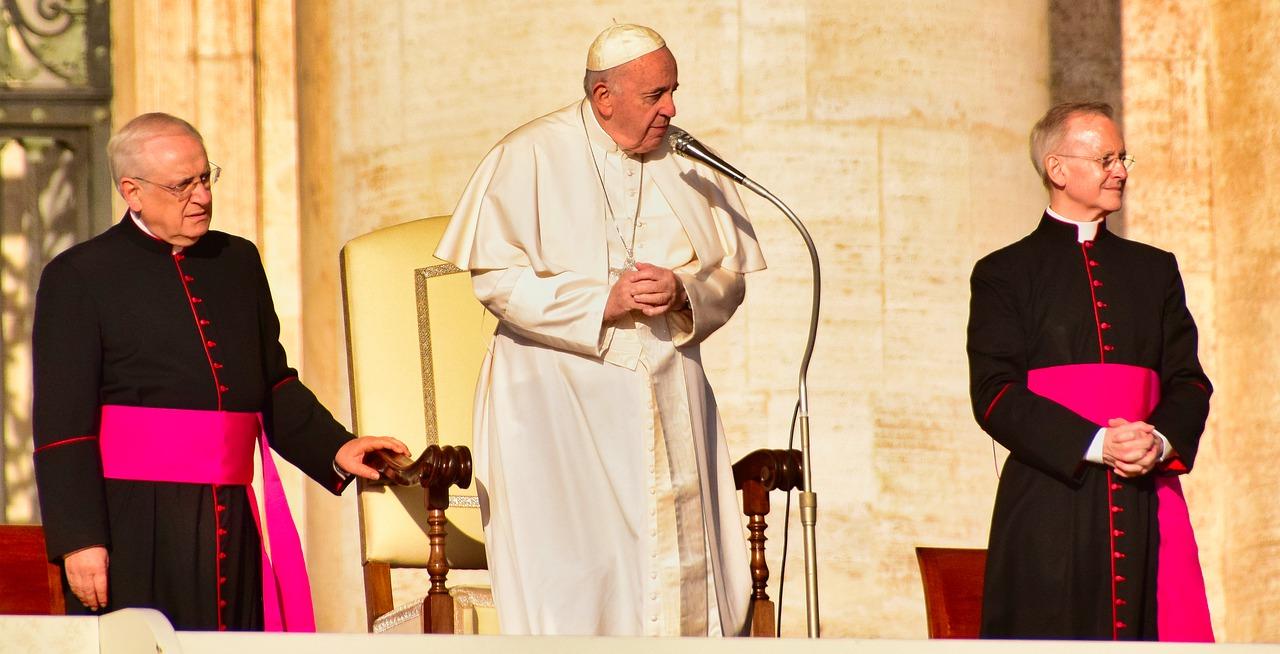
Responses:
[437,466]
[755,475]
[437,469]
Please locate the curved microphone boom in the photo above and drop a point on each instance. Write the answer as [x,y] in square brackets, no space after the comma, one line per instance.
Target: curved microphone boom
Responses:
[684,144]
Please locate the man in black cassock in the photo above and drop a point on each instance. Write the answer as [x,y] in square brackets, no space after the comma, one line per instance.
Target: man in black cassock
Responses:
[159,320]
[1082,359]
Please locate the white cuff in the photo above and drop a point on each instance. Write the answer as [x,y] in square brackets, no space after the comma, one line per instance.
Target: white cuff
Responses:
[1094,453]
[342,474]
[1167,450]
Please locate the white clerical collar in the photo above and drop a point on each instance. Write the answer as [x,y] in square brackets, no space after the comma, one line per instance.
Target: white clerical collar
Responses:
[138,221]
[1085,231]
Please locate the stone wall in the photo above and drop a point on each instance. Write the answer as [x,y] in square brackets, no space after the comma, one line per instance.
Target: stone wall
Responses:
[897,132]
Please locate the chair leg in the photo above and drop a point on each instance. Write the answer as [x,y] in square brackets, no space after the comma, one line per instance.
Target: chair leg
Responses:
[438,609]
[755,503]
[377,590]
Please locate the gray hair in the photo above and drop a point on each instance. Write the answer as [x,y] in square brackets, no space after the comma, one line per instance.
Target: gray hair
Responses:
[124,147]
[593,77]
[1049,131]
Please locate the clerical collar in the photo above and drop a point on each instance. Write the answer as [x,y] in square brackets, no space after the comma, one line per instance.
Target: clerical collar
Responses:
[596,133]
[138,221]
[1085,231]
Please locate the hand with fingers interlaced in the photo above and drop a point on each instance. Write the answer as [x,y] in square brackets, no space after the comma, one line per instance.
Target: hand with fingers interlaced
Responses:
[649,289]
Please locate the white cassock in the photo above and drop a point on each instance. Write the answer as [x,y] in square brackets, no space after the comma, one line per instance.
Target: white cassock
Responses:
[605,483]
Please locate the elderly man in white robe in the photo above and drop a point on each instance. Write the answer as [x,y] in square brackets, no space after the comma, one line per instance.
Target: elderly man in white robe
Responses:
[605,482]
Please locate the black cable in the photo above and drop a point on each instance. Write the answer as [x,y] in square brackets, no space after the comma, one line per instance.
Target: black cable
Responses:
[786,531]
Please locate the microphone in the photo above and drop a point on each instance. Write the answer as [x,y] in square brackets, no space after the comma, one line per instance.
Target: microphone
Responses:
[684,144]
[689,147]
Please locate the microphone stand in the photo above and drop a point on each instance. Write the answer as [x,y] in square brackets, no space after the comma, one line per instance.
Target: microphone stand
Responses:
[683,143]
[808,498]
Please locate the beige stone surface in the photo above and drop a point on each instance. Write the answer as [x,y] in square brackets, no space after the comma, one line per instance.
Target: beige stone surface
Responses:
[896,131]
[1197,120]
[1243,148]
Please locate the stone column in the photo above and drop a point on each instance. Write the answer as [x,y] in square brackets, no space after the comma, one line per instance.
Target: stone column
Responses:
[1246,245]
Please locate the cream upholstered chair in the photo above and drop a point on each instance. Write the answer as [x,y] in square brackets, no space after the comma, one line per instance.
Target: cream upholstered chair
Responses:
[415,341]
[416,337]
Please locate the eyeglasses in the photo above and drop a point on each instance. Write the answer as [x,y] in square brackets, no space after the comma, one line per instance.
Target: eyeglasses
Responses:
[1108,162]
[183,190]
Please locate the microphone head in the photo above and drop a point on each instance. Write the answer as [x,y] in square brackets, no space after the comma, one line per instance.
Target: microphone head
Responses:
[678,139]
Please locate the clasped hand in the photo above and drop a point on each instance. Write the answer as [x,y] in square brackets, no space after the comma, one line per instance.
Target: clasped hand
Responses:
[1131,448]
[649,289]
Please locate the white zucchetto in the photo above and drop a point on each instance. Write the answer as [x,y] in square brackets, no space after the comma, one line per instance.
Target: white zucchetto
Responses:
[619,44]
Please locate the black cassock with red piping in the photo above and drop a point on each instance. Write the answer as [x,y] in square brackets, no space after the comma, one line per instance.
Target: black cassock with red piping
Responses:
[1072,552]
[122,320]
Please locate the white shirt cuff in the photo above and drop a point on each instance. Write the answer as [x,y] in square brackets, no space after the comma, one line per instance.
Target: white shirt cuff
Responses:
[1094,453]
[1167,451]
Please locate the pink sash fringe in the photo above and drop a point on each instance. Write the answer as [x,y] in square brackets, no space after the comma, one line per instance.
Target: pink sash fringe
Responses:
[216,447]
[1099,392]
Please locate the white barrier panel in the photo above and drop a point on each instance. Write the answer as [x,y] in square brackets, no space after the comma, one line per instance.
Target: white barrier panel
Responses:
[143,631]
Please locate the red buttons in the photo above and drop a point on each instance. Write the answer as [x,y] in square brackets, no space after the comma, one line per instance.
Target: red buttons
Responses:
[179,256]
[1120,625]
[222,555]
[223,389]
[1097,284]
[1117,533]
[1105,325]
[188,278]
[1120,579]
[222,580]
[219,508]
[1101,304]
[1108,348]
[222,604]
[217,366]
[1088,244]
[1119,555]
[203,322]
[222,532]
[1120,602]
[1115,486]
[211,344]
[1092,263]
[196,300]
[1116,509]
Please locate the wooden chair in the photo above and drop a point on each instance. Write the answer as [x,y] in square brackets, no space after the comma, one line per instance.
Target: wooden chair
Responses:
[414,347]
[400,300]
[29,584]
[756,474]
[952,581]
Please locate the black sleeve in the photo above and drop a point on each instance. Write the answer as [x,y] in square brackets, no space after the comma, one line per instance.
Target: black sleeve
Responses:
[1036,430]
[298,426]
[67,365]
[1184,388]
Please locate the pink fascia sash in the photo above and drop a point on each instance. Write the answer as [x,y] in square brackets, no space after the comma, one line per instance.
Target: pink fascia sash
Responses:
[216,447]
[1100,392]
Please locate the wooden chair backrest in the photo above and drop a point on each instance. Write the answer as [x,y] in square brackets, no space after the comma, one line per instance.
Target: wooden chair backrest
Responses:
[952,581]
[29,584]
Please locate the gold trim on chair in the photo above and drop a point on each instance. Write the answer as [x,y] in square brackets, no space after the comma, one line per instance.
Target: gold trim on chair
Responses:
[421,276]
